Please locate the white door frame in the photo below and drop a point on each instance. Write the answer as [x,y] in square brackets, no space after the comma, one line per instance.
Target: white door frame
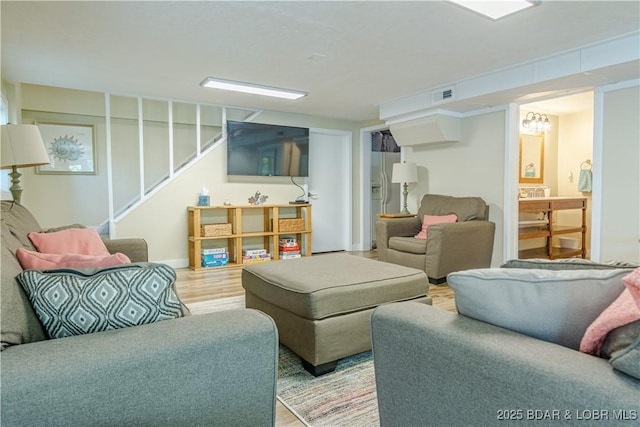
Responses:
[365,186]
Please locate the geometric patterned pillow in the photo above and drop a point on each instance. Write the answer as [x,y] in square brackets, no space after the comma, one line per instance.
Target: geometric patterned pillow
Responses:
[80,301]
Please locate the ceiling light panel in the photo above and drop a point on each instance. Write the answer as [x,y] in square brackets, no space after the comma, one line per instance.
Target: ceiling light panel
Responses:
[214,83]
[496,9]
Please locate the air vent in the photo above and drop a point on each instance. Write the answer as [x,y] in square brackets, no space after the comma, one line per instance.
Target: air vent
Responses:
[442,95]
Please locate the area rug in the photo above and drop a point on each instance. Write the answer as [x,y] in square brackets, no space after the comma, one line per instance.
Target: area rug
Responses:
[345,397]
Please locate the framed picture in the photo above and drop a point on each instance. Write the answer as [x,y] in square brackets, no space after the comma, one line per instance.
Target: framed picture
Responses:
[71,148]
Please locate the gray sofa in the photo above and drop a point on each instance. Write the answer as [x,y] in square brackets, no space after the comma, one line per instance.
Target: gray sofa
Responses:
[215,369]
[437,368]
[465,244]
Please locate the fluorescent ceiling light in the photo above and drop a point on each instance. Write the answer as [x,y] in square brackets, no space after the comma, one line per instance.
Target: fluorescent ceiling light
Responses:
[251,88]
[496,9]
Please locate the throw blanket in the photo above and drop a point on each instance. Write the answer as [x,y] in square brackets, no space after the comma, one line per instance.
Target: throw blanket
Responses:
[622,311]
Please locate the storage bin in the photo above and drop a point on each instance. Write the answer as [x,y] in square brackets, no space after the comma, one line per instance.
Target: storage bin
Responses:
[215,230]
[289,225]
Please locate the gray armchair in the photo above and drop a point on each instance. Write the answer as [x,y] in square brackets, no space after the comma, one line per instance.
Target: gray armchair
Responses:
[463,245]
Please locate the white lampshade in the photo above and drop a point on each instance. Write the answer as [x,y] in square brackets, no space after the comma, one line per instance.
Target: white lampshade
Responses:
[404,172]
[22,146]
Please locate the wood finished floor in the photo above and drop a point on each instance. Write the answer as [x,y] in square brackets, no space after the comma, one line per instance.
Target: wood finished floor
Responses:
[205,285]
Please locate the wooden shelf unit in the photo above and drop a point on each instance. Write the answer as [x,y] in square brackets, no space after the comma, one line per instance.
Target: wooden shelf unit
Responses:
[548,229]
[234,242]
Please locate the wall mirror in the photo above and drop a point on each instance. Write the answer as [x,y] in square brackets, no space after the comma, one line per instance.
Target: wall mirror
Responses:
[531,159]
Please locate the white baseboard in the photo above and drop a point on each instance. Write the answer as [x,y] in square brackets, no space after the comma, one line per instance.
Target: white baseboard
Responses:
[175,263]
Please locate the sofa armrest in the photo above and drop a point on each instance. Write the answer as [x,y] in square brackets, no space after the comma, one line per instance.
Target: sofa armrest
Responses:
[211,369]
[136,249]
[458,246]
[388,228]
[434,365]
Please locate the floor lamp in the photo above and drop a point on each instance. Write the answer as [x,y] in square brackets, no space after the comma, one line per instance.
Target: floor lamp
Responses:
[21,147]
[405,173]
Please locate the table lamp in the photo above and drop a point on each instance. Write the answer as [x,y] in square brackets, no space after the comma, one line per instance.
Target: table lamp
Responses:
[404,173]
[21,147]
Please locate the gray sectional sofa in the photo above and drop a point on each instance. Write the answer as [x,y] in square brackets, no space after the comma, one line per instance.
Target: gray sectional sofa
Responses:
[215,369]
[437,368]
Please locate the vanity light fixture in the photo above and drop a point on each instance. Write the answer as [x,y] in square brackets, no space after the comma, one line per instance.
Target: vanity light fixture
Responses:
[215,83]
[536,122]
[496,9]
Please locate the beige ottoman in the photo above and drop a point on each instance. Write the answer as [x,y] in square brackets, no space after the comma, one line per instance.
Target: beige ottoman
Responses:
[322,304]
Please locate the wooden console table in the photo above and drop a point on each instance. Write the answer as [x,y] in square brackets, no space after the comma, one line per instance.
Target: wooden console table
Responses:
[395,215]
[269,230]
[547,229]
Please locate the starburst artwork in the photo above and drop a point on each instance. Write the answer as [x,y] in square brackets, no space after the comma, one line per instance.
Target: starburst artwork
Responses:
[66,149]
[71,148]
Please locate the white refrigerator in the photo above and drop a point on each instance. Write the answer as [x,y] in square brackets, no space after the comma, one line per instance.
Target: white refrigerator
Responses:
[385,196]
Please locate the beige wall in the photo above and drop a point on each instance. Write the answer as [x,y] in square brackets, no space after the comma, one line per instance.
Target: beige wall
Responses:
[620,232]
[161,220]
[474,166]
[471,167]
[574,148]
[65,199]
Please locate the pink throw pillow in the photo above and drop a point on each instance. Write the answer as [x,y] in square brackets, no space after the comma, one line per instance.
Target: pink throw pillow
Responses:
[30,260]
[85,241]
[624,310]
[434,219]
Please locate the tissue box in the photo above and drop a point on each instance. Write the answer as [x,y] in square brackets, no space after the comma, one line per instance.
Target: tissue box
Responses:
[203,200]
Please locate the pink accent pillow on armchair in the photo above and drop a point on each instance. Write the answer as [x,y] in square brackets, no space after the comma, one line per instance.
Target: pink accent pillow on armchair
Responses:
[85,241]
[30,260]
[434,219]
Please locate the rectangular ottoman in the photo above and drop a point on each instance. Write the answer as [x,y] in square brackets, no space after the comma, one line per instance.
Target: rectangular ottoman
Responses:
[322,304]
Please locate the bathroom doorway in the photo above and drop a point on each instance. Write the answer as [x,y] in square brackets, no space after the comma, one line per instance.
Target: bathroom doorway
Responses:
[556,164]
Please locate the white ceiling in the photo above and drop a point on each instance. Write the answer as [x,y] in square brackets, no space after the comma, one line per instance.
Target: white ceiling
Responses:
[349,56]
[563,105]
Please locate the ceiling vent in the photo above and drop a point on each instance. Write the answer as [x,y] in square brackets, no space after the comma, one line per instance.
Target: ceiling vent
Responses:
[441,96]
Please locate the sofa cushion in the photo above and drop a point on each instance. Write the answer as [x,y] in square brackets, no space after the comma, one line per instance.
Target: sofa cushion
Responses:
[325,286]
[18,321]
[555,306]
[39,261]
[408,244]
[622,348]
[466,208]
[74,302]
[84,241]
[566,264]
[428,220]
[619,339]
[62,227]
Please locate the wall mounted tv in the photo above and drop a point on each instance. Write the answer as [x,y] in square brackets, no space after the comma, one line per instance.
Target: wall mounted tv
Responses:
[267,150]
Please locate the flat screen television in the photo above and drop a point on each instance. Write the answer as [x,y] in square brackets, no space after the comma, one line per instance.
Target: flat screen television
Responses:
[258,149]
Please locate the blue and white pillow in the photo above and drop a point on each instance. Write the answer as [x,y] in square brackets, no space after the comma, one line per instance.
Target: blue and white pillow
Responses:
[80,301]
